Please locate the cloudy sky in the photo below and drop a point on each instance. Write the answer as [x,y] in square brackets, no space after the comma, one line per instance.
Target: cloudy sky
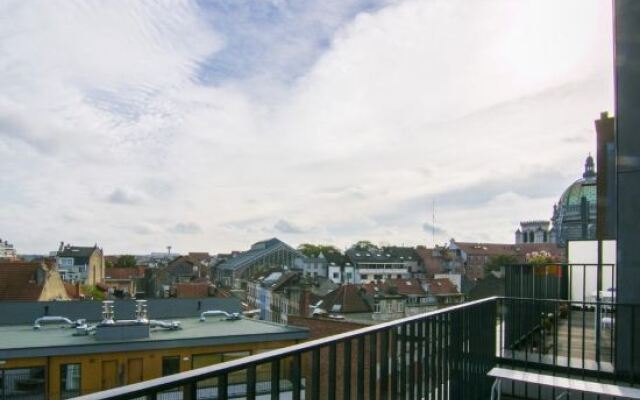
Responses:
[210,125]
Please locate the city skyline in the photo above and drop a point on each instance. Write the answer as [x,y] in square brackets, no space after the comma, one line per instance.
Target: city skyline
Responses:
[212,127]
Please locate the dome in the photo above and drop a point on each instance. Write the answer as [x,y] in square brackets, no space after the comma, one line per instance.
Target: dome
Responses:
[583,187]
[570,221]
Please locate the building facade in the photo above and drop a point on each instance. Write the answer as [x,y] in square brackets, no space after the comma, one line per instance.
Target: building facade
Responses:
[81,264]
[7,251]
[267,254]
[534,232]
[53,363]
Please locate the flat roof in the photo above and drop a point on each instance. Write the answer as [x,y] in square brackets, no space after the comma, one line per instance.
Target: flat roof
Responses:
[21,341]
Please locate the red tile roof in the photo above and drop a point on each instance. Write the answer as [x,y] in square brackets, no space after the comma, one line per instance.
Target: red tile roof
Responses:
[114,273]
[432,264]
[442,287]
[517,250]
[18,280]
[403,287]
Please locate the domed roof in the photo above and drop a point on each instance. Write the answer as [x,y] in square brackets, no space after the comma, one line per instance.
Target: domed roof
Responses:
[585,186]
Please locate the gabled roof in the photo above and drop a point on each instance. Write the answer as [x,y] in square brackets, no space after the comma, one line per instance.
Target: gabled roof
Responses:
[199,256]
[433,264]
[488,249]
[346,299]
[18,280]
[515,250]
[442,287]
[257,250]
[286,278]
[404,287]
[80,254]
[182,266]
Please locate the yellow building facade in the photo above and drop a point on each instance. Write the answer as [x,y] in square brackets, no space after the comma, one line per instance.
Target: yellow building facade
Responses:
[71,365]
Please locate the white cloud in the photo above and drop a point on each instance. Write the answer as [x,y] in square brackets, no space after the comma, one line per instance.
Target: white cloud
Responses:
[407,102]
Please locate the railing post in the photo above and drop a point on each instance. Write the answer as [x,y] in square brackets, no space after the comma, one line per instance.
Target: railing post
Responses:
[223,387]
[360,373]
[190,390]
[251,382]
[296,375]
[373,365]
[331,373]
[275,379]
[315,374]
[346,371]
[384,364]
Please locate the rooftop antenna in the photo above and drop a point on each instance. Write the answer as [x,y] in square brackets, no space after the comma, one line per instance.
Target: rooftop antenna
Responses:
[433,221]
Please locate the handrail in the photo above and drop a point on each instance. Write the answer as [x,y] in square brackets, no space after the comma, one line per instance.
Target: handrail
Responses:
[193,376]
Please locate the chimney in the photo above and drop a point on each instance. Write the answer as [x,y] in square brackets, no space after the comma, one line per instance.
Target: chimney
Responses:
[61,246]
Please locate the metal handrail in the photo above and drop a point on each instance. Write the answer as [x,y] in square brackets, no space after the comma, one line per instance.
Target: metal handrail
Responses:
[193,376]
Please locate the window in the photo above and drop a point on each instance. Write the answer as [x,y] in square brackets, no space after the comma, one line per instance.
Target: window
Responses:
[170,365]
[70,380]
[336,275]
[363,277]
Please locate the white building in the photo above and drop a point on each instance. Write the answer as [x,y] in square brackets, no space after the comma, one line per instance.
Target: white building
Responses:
[7,251]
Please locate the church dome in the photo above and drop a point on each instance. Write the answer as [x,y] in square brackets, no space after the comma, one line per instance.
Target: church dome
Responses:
[570,221]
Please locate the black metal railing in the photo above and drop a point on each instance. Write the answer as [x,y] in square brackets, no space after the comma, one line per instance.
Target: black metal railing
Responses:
[559,318]
[439,355]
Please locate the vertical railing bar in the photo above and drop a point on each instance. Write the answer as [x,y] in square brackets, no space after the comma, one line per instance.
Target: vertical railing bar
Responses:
[315,374]
[331,373]
[384,365]
[446,355]
[346,370]
[440,368]
[411,380]
[296,376]
[223,387]
[633,343]
[251,382]
[428,362]
[373,361]
[360,373]
[275,379]
[434,351]
[192,390]
[419,360]
[403,361]
[394,363]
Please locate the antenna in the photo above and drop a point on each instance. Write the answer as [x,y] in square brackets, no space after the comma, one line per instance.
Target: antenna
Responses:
[433,221]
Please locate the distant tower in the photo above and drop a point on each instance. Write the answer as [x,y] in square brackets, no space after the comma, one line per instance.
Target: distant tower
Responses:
[169,250]
[533,232]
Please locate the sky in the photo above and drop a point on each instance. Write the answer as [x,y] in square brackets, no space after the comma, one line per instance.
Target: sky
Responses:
[210,125]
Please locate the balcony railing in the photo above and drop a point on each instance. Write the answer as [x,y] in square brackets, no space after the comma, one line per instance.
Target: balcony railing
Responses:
[444,354]
[439,355]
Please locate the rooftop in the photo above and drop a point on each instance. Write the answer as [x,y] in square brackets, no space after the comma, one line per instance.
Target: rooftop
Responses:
[19,341]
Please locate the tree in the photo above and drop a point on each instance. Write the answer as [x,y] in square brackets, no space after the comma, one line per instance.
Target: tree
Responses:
[125,261]
[496,262]
[365,245]
[93,293]
[314,250]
